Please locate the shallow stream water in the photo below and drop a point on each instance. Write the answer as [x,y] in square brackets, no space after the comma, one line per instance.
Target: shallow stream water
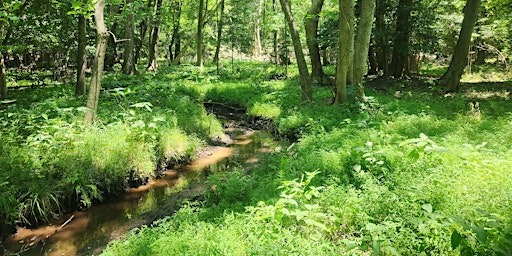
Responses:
[88,232]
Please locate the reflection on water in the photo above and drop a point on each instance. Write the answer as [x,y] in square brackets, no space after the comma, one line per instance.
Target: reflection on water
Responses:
[88,232]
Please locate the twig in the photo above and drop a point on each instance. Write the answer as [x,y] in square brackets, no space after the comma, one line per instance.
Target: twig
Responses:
[65,223]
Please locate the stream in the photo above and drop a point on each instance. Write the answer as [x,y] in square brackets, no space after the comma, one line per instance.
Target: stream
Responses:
[88,232]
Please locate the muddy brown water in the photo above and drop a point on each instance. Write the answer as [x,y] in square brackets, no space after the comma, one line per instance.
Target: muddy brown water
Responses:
[88,232]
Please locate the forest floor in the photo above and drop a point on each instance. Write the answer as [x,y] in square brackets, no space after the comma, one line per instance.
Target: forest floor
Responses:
[408,171]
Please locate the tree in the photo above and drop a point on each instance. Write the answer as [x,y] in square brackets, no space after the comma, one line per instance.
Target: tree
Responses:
[129,45]
[176,31]
[153,38]
[311,27]
[220,24]
[3,80]
[305,80]
[99,61]
[81,58]
[381,37]
[450,81]
[345,49]
[256,47]
[199,45]
[401,41]
[362,43]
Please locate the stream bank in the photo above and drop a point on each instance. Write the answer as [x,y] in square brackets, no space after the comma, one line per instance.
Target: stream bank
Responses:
[88,232]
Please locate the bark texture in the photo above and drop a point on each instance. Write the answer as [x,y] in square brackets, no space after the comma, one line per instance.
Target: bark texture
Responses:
[311,26]
[401,41]
[129,45]
[362,43]
[199,45]
[305,81]
[153,38]
[220,24]
[450,81]
[345,52]
[99,62]
[381,39]
[256,45]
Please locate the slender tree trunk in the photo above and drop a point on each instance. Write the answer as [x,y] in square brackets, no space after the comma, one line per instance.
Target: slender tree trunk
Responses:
[305,80]
[381,38]
[112,56]
[345,52]
[81,58]
[3,79]
[362,43]
[199,44]
[374,66]
[153,38]
[274,37]
[311,27]
[450,81]
[129,45]
[176,30]
[206,19]
[220,24]
[99,61]
[256,44]
[143,30]
[401,41]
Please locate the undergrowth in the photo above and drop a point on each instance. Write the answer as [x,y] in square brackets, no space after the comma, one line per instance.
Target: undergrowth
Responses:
[407,172]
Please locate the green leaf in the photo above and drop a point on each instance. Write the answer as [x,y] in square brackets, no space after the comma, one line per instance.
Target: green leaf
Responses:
[376,247]
[414,154]
[315,223]
[456,239]
[481,233]
[423,228]
[427,208]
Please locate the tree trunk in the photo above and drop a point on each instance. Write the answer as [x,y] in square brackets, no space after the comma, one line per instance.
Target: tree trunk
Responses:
[206,19]
[3,79]
[274,37]
[305,81]
[175,31]
[112,56]
[451,79]
[401,41]
[153,38]
[81,58]
[362,44]
[99,61]
[199,44]
[129,45]
[374,66]
[345,52]
[220,24]
[256,43]
[311,26]
[143,29]
[381,39]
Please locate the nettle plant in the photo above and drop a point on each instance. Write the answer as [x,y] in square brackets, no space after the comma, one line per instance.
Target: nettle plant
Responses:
[296,206]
